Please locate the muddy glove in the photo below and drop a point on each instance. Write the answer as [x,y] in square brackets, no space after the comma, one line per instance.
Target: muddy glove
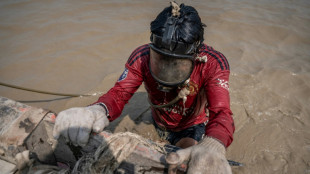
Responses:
[206,157]
[75,124]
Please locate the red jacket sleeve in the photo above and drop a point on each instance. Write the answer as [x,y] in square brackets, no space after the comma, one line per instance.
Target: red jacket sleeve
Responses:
[128,83]
[221,124]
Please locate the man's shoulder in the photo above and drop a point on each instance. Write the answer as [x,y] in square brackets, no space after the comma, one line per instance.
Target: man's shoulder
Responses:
[139,54]
[214,57]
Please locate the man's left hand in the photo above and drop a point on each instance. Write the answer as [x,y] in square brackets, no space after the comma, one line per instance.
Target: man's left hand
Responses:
[206,157]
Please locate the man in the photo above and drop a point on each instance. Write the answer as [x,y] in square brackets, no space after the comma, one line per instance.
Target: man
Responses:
[183,77]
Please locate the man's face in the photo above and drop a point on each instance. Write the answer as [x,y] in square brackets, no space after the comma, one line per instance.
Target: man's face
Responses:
[169,70]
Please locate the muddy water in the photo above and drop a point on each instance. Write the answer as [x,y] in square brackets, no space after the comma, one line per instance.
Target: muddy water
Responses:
[80,47]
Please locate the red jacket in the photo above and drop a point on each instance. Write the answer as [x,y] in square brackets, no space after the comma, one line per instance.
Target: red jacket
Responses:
[208,89]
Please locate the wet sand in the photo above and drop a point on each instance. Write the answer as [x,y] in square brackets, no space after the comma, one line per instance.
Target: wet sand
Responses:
[81,47]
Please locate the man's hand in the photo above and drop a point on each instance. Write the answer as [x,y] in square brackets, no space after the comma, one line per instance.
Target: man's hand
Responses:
[75,124]
[206,157]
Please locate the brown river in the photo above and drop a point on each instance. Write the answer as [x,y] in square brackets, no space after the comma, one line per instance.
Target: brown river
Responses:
[80,47]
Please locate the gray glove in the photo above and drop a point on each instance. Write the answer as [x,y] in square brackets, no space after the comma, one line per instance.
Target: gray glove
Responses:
[75,124]
[206,157]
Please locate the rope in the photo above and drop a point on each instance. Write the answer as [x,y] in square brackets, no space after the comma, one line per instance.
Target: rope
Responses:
[183,93]
[164,105]
[175,9]
[46,92]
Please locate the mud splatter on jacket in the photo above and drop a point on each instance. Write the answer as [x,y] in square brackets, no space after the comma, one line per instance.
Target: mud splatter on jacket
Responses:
[208,99]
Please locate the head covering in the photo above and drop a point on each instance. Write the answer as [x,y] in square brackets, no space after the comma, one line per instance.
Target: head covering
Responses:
[172,60]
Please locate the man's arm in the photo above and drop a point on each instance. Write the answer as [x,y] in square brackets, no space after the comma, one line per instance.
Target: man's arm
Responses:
[127,84]
[221,124]
[118,96]
[75,124]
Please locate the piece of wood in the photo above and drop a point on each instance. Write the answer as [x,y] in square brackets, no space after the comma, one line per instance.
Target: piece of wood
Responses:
[17,122]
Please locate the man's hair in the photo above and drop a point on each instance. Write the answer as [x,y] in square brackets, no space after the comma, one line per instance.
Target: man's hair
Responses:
[189,28]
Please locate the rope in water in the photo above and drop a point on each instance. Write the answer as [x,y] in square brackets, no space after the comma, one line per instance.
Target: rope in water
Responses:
[46,92]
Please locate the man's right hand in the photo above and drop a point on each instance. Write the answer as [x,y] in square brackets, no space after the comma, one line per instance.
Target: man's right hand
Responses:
[76,124]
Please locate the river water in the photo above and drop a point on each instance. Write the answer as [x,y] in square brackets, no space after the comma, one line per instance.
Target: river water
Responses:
[81,47]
